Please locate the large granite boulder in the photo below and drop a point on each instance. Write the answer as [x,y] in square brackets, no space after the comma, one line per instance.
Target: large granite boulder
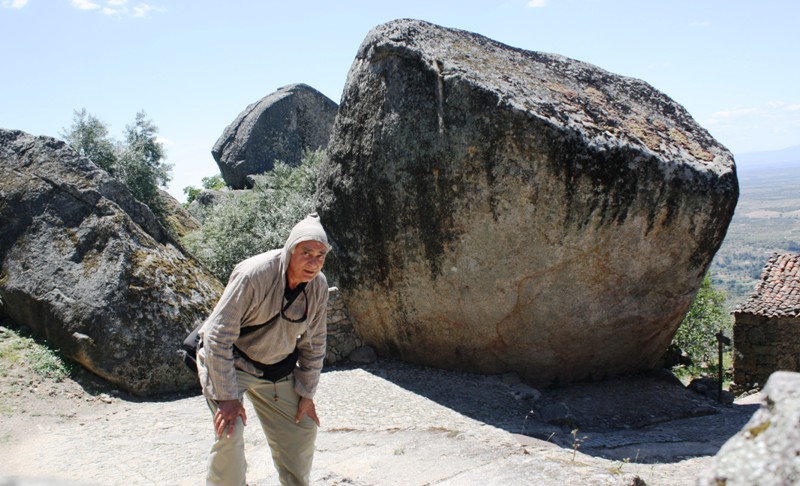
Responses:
[278,127]
[767,450]
[89,268]
[496,209]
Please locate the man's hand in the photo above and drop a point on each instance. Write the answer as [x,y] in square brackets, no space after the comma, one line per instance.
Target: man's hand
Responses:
[306,407]
[225,418]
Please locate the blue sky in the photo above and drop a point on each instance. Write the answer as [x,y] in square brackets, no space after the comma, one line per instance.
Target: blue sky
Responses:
[194,65]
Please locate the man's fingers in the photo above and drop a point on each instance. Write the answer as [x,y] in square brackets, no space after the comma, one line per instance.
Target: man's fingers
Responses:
[227,421]
[306,407]
[222,425]
[313,414]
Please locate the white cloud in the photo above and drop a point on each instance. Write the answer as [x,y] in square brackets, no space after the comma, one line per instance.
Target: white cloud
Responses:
[85,5]
[700,23]
[164,141]
[119,8]
[17,4]
[537,3]
[143,9]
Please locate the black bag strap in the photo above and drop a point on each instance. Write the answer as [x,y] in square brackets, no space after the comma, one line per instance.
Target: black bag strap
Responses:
[275,371]
[244,331]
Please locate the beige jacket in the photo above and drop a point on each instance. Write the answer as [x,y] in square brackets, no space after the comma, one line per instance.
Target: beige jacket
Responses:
[254,295]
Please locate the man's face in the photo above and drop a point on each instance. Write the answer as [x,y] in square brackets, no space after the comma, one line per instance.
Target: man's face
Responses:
[306,262]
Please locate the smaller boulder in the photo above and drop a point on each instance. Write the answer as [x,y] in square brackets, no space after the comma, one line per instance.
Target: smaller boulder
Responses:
[179,219]
[767,450]
[363,355]
[90,269]
[709,388]
[278,127]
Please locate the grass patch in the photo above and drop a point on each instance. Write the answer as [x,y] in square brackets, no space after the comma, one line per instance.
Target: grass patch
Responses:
[19,349]
[707,368]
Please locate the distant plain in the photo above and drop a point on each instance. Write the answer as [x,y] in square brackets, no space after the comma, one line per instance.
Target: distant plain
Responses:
[767,219]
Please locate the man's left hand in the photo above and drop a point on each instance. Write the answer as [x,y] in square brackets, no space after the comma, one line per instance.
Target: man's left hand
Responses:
[306,407]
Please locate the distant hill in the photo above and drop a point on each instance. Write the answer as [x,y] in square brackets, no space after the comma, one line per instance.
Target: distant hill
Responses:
[759,161]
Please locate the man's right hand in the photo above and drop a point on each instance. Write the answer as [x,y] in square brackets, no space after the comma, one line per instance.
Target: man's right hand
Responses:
[225,418]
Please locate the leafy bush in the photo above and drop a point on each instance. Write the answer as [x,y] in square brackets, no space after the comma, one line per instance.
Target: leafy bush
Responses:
[252,222]
[697,333]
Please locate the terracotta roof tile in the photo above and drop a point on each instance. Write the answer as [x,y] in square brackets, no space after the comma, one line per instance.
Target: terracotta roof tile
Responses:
[778,292]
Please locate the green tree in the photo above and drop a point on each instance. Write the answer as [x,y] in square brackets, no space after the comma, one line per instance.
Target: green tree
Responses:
[140,163]
[89,136]
[137,161]
[214,182]
[706,317]
[251,222]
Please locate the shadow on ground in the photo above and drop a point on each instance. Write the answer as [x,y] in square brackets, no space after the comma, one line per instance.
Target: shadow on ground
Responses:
[647,418]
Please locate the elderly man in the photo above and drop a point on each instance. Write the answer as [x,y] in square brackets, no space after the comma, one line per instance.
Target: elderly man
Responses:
[266,339]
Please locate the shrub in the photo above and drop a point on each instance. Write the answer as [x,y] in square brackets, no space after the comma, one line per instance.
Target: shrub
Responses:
[252,222]
[707,316]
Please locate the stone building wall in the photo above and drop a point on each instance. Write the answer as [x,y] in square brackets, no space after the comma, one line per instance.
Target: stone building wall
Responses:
[342,338]
[764,345]
[766,329]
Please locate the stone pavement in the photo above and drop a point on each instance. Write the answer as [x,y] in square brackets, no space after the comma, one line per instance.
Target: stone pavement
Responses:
[384,424]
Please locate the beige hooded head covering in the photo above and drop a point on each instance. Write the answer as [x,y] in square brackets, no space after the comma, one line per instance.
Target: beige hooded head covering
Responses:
[308,229]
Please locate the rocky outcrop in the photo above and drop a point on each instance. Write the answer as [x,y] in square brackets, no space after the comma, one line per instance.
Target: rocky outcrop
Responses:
[88,267]
[278,127]
[496,209]
[179,218]
[767,450]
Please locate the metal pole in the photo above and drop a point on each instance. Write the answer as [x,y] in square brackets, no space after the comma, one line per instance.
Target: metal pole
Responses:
[721,341]
[719,391]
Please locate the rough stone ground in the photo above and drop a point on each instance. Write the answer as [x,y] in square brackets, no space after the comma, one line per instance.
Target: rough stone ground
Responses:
[388,423]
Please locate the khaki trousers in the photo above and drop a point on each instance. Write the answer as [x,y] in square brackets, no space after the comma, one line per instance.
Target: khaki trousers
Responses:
[292,444]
